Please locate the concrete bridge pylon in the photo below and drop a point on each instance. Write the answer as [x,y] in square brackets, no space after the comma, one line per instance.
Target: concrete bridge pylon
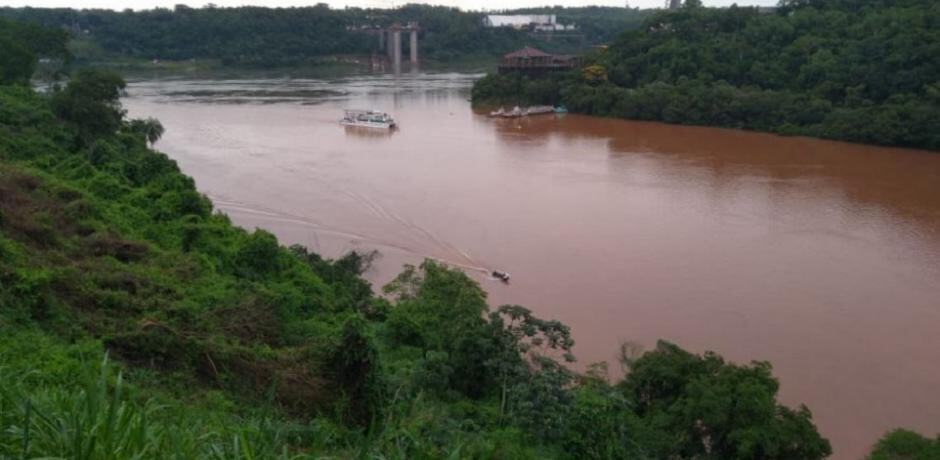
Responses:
[390,40]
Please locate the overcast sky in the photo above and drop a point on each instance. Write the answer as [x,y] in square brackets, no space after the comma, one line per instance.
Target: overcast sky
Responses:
[464,4]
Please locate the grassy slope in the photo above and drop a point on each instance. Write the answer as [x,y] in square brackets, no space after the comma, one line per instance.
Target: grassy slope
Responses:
[114,247]
[228,345]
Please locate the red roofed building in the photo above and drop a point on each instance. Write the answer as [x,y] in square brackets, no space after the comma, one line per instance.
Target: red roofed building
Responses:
[531,61]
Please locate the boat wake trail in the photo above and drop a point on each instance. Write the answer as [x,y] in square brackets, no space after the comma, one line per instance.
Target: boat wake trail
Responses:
[455,256]
[279,216]
[439,251]
[475,268]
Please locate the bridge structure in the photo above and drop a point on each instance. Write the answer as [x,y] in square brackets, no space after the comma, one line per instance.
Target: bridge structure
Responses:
[390,43]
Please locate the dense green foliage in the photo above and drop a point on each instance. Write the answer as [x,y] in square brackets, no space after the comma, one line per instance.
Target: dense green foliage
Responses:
[247,36]
[906,445]
[257,36]
[22,44]
[226,344]
[865,71]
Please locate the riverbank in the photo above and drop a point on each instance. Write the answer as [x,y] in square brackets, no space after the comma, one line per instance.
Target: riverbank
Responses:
[720,239]
[907,124]
[325,67]
[802,70]
[135,69]
[231,345]
[225,340]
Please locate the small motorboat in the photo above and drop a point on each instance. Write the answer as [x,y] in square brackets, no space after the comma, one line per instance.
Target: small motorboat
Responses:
[502,276]
[561,109]
[518,112]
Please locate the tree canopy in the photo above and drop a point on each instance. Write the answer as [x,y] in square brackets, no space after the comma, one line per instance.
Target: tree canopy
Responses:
[906,445]
[92,103]
[865,71]
[23,44]
[265,37]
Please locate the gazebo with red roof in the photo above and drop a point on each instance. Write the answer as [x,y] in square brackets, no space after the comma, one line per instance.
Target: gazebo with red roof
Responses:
[529,60]
[527,57]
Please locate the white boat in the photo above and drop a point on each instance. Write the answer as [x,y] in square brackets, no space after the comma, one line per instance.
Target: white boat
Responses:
[368,119]
[517,112]
[539,110]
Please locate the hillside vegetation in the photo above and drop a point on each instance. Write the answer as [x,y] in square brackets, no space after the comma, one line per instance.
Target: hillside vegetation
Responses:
[862,70]
[266,37]
[136,322]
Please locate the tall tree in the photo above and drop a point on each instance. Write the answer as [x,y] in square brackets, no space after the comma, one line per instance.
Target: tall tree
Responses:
[22,44]
[150,128]
[17,63]
[718,410]
[91,103]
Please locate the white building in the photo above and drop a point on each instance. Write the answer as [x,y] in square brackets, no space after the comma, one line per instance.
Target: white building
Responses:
[540,22]
[553,27]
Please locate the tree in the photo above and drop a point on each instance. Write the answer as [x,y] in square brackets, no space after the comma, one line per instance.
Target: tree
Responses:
[442,310]
[594,74]
[526,365]
[718,410]
[862,71]
[22,44]
[17,63]
[906,445]
[150,128]
[92,104]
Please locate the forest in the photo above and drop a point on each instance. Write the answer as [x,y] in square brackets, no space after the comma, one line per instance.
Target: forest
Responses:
[284,37]
[137,322]
[863,71]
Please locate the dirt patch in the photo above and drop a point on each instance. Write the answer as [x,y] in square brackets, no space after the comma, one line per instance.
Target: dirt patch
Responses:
[108,244]
[28,215]
[289,376]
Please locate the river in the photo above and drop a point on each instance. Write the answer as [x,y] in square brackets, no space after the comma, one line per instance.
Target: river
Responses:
[820,257]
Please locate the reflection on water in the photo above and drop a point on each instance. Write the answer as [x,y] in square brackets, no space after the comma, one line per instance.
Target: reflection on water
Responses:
[818,256]
[302,91]
[369,133]
[892,180]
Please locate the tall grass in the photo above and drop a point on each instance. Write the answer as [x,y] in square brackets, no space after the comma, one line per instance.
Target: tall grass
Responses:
[98,416]
[97,419]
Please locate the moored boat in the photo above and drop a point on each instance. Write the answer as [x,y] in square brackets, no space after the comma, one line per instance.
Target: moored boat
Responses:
[368,119]
[539,110]
[517,111]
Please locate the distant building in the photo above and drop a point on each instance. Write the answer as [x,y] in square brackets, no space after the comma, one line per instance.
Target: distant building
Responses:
[517,21]
[535,22]
[533,62]
[553,27]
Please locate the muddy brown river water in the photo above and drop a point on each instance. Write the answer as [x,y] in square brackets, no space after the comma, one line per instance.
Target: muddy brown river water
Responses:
[820,257]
